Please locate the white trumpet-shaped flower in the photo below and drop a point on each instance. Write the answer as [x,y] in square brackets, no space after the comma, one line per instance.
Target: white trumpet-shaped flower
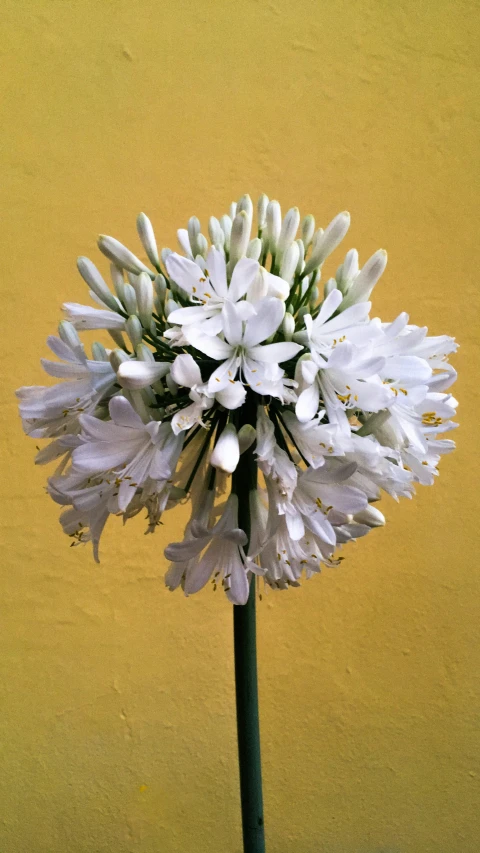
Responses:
[242,350]
[218,552]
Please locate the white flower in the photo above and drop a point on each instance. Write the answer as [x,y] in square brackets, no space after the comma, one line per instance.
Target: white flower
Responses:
[135,452]
[208,288]
[54,411]
[241,350]
[223,555]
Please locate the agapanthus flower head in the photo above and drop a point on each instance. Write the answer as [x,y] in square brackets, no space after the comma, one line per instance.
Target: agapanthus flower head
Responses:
[235,378]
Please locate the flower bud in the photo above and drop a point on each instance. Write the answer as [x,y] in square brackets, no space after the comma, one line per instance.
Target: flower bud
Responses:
[164,254]
[99,353]
[274,225]
[170,306]
[147,236]
[130,299]
[134,330]
[262,205]
[233,210]
[116,274]
[246,436]
[117,337]
[302,311]
[120,255]
[366,279]
[117,357]
[226,226]
[96,283]
[254,249]
[172,385]
[301,256]
[289,263]
[69,335]
[347,271]
[308,230]
[314,296]
[202,246]
[226,452]
[371,516]
[289,229]
[329,285]
[288,326]
[144,291]
[217,237]
[193,229]
[328,241]
[239,239]
[245,203]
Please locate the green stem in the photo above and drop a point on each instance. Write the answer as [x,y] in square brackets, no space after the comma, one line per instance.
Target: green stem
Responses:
[245,650]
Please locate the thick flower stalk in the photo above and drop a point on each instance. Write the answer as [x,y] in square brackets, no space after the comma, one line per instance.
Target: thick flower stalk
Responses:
[233,346]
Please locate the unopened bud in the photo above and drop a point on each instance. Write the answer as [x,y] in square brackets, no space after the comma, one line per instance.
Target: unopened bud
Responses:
[116,274]
[288,326]
[246,436]
[120,255]
[371,516]
[226,452]
[172,385]
[69,335]
[308,230]
[328,241]
[262,205]
[245,203]
[164,254]
[202,245]
[96,283]
[170,306]
[130,299]
[329,285]
[226,226]
[217,237]
[144,291]
[147,236]
[160,285]
[117,337]
[289,263]
[274,224]
[289,229]
[134,330]
[239,239]
[193,229]
[117,357]
[99,353]
[254,249]
[366,279]
[348,270]
[301,256]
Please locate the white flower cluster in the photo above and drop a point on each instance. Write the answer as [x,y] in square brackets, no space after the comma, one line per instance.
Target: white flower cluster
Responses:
[282,415]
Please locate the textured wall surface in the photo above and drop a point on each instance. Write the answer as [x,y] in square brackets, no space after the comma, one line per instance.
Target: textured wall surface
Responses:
[117,728]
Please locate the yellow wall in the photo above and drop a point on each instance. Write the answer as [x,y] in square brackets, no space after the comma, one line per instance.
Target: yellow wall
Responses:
[117,714]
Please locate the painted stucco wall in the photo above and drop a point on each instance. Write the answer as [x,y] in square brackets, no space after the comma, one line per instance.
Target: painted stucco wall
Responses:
[117,706]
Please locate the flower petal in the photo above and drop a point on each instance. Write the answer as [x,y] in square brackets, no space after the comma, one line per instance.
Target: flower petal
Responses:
[242,277]
[274,352]
[266,321]
[211,346]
